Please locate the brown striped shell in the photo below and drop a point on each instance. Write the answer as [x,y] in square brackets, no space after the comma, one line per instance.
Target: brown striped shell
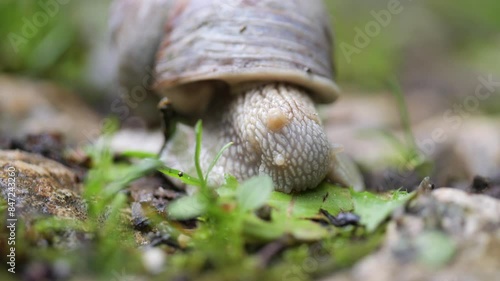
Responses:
[237,41]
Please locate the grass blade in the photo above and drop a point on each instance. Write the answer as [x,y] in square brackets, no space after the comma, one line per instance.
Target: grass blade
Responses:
[403,112]
[139,154]
[199,133]
[185,178]
[216,159]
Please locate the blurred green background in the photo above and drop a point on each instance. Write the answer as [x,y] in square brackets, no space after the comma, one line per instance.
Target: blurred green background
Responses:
[457,38]
[57,40]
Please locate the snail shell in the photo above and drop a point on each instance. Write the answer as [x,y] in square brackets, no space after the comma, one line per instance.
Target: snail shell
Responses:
[245,40]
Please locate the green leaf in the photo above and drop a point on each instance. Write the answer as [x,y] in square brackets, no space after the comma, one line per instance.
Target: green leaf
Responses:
[290,213]
[307,205]
[139,154]
[347,251]
[306,230]
[185,178]
[254,192]
[199,132]
[187,207]
[214,161]
[230,182]
[118,203]
[300,229]
[262,230]
[132,173]
[338,200]
[374,209]
[331,198]
[229,188]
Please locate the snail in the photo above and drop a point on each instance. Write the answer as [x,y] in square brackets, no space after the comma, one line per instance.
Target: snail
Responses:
[253,71]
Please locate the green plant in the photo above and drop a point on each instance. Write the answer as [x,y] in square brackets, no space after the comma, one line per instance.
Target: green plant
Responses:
[236,225]
[230,220]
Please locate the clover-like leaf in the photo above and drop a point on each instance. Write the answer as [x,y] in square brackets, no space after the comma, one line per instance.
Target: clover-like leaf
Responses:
[254,192]
[374,209]
[187,207]
[332,198]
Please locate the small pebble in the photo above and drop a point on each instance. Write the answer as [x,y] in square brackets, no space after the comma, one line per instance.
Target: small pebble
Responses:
[154,260]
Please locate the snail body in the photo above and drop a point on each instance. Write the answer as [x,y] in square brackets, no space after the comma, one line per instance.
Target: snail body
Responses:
[253,72]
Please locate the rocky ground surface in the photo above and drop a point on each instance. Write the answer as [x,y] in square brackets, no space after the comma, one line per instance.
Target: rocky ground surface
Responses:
[462,225]
[33,107]
[42,186]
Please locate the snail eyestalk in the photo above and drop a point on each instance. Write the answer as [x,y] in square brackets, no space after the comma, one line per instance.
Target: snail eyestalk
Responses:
[168,118]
